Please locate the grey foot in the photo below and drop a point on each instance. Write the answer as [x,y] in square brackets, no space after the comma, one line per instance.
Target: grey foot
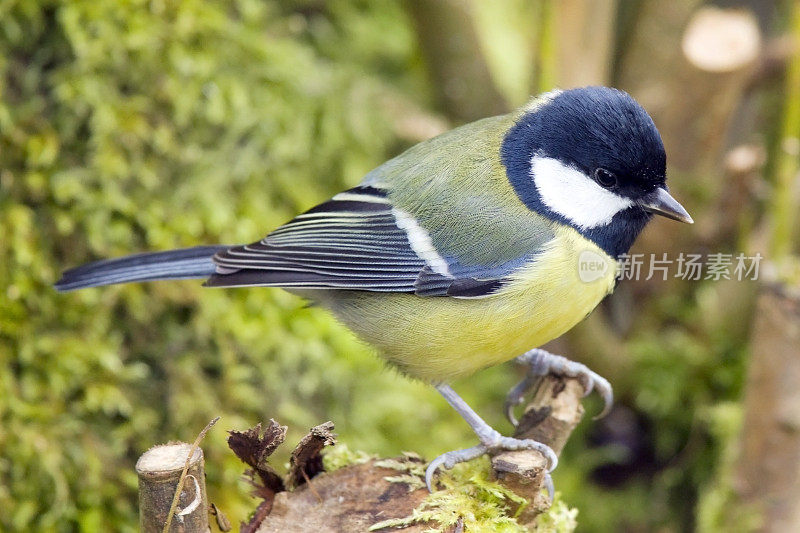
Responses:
[540,363]
[491,441]
[497,443]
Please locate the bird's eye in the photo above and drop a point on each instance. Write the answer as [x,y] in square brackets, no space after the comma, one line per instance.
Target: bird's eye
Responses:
[605,178]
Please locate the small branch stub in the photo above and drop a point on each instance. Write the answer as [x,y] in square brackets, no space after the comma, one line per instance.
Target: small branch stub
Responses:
[159,470]
[554,411]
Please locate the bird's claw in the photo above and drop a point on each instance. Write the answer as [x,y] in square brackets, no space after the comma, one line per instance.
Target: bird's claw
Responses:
[548,484]
[517,395]
[450,459]
[541,363]
[594,381]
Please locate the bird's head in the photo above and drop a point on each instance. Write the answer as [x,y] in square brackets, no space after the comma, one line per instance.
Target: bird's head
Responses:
[591,158]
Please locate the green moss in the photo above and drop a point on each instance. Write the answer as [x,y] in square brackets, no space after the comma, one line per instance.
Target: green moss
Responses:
[134,126]
[468,494]
[560,518]
[339,456]
[411,468]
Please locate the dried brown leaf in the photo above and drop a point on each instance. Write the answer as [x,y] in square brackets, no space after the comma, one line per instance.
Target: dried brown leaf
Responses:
[254,449]
[306,459]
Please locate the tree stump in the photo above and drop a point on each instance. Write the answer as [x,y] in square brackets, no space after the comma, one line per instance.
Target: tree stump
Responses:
[363,496]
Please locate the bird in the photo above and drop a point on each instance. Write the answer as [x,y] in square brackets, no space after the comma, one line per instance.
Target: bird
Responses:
[464,251]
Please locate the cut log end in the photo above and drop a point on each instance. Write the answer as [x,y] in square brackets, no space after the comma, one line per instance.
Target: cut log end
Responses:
[721,40]
[167,459]
[159,470]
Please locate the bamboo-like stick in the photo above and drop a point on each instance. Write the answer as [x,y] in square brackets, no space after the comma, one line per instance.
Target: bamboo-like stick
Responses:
[159,470]
[785,202]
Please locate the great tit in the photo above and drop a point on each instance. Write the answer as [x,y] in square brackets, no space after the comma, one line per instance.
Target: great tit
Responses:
[465,250]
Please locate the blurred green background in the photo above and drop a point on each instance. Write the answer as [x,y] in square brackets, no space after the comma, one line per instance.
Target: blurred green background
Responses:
[156,124]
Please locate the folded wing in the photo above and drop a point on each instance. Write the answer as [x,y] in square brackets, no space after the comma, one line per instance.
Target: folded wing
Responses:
[355,241]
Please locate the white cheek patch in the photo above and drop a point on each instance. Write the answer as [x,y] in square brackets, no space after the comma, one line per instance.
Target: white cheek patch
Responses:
[573,195]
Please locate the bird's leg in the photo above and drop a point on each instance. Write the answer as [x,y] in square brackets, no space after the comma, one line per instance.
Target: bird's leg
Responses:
[540,363]
[491,440]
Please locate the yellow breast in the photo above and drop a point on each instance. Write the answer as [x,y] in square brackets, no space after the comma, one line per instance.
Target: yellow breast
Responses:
[438,339]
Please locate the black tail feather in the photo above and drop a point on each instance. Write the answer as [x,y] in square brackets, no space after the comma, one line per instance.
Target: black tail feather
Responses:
[187,263]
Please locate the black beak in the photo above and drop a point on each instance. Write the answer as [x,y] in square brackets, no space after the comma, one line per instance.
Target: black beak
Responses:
[661,203]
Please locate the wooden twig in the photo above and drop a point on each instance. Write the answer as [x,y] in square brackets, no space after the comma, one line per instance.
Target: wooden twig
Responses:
[550,417]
